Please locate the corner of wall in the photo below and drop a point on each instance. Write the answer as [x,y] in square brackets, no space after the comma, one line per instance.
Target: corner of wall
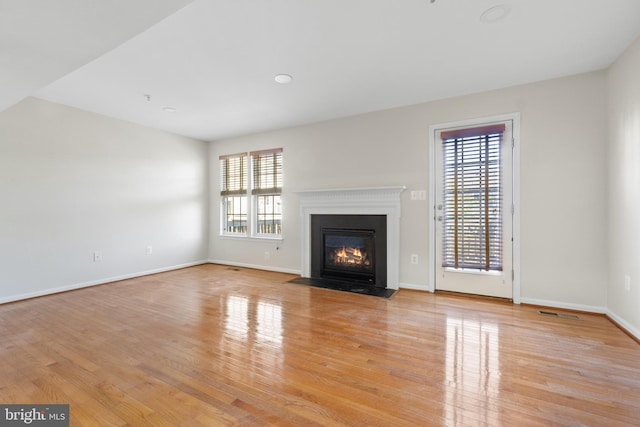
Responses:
[623,288]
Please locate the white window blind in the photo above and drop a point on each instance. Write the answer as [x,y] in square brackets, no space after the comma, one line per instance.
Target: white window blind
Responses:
[472,202]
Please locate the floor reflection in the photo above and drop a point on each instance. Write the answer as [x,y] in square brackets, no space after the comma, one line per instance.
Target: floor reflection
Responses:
[472,372]
[259,322]
[269,322]
[252,338]
[237,316]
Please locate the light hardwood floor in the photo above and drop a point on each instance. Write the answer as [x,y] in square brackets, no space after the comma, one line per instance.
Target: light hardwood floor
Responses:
[215,345]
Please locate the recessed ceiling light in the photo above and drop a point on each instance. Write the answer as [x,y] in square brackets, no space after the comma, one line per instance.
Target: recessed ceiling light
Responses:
[169,109]
[495,13]
[283,78]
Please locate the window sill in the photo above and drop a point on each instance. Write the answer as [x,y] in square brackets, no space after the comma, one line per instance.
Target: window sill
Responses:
[250,238]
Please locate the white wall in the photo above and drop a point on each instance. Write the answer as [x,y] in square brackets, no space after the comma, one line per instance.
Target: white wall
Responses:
[563,179]
[73,182]
[624,188]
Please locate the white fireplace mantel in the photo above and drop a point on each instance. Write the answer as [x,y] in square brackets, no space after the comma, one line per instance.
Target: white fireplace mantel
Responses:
[354,201]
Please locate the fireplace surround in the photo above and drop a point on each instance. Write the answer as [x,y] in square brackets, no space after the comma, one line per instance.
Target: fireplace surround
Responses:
[350,248]
[377,201]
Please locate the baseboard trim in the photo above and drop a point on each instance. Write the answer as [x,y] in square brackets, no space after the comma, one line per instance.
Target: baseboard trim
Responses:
[623,325]
[255,266]
[619,322]
[73,287]
[564,305]
[414,287]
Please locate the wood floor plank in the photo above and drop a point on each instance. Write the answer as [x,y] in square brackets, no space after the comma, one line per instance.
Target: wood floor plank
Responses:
[214,345]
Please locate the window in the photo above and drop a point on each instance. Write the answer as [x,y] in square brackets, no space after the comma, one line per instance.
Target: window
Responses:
[261,214]
[234,193]
[266,190]
[472,205]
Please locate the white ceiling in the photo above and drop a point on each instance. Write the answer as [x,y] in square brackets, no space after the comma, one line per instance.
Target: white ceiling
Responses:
[214,61]
[44,40]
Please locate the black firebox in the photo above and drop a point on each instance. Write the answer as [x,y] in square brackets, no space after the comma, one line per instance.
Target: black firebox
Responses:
[350,248]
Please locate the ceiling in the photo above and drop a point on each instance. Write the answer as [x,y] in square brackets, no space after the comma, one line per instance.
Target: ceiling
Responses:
[213,61]
[44,40]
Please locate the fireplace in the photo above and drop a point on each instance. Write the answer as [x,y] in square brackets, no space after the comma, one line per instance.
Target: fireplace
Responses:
[350,248]
[378,201]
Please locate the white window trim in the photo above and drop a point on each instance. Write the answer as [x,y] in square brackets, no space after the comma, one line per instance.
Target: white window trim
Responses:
[252,214]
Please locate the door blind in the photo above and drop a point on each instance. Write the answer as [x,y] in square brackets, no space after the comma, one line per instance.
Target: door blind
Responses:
[472,198]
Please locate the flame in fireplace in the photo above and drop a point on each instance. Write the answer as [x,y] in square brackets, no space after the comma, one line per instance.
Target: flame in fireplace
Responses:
[348,255]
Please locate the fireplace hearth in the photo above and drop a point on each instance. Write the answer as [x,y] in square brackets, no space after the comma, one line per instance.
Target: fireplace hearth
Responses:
[347,286]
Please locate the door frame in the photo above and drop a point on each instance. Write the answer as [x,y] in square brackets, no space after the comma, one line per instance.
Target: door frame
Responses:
[515,177]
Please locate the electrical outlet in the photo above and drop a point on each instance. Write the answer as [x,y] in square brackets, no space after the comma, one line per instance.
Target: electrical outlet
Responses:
[149,250]
[97,256]
[627,283]
[414,258]
[267,255]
